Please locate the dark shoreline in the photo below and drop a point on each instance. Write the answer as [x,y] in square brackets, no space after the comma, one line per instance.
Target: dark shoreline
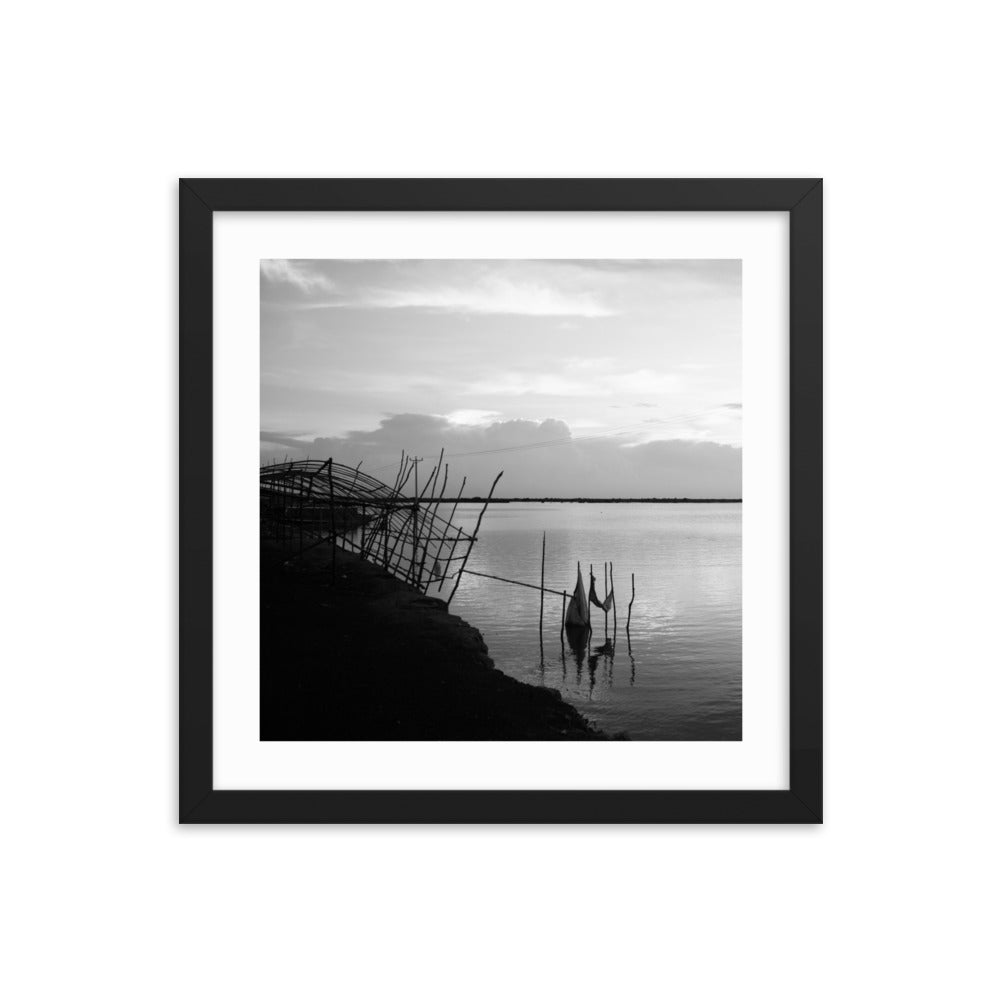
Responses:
[363,656]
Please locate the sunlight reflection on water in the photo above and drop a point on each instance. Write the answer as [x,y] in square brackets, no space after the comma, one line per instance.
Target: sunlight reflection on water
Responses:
[682,677]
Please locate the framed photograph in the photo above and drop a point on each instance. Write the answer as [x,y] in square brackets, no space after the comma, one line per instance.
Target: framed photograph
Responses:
[501,501]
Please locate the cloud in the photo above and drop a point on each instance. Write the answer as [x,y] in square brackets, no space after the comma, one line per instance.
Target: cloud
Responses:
[539,458]
[297,273]
[471,418]
[516,288]
[576,383]
[495,295]
[275,446]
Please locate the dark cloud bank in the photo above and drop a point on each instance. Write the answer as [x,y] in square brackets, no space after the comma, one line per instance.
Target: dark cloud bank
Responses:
[538,459]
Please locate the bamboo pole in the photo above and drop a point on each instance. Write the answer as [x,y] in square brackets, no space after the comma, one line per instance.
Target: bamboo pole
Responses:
[605,602]
[614,603]
[299,480]
[409,470]
[402,529]
[397,543]
[420,517]
[380,541]
[447,528]
[628,623]
[357,472]
[396,539]
[376,543]
[333,531]
[541,603]
[381,533]
[412,508]
[328,466]
[475,533]
[350,490]
[397,485]
[562,626]
[432,514]
[590,587]
[517,583]
[416,509]
[434,518]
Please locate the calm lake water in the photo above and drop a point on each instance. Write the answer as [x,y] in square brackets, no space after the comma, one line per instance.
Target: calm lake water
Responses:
[682,677]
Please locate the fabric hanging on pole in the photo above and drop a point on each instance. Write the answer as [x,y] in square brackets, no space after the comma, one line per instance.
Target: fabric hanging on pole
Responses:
[578,611]
[604,605]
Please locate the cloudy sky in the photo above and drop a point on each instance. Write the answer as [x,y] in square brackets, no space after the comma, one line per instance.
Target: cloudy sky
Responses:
[576,377]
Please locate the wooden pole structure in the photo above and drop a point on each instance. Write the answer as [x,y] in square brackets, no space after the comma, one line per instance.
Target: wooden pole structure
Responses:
[432,514]
[444,537]
[399,472]
[350,492]
[562,626]
[541,604]
[605,602]
[412,508]
[385,519]
[416,511]
[299,480]
[615,603]
[434,518]
[409,470]
[333,529]
[404,474]
[475,533]
[380,532]
[420,517]
[390,512]
[628,623]
[517,583]
[375,545]
[398,552]
[590,628]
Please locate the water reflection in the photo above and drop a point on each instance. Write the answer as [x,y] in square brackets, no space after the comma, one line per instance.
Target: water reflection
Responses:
[685,615]
[579,640]
[581,646]
[583,649]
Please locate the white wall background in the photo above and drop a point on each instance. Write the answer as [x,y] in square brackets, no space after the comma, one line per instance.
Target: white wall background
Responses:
[106,104]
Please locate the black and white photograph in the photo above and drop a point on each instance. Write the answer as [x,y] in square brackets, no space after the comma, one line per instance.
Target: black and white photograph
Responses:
[498,501]
[501,499]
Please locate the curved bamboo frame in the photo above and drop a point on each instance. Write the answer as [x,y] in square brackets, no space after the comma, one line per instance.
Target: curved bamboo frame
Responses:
[322,502]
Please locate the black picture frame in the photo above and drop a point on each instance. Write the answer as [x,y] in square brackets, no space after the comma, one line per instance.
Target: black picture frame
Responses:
[200,802]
